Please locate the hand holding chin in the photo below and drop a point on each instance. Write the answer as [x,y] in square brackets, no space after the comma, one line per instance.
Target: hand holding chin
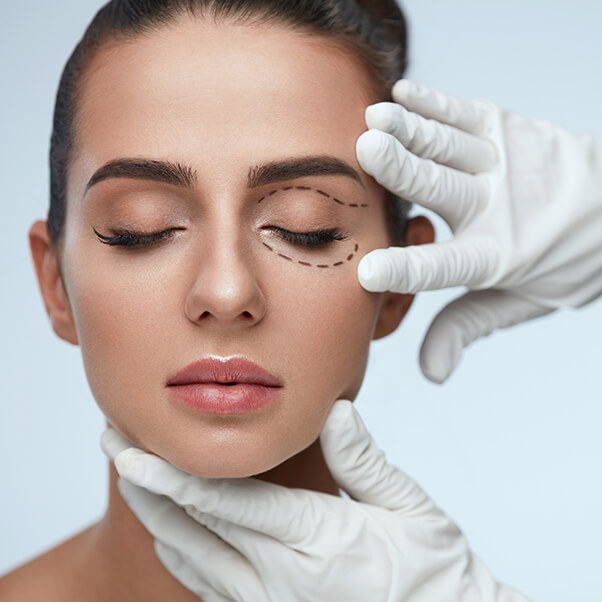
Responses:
[245,539]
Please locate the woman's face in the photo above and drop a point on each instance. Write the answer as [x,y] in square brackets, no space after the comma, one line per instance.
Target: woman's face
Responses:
[238,110]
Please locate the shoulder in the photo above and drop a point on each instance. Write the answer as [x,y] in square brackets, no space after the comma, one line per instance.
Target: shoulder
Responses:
[54,576]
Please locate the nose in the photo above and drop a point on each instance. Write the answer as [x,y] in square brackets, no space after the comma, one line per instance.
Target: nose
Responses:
[225,289]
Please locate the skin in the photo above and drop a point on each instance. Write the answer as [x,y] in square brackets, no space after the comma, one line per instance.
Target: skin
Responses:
[182,95]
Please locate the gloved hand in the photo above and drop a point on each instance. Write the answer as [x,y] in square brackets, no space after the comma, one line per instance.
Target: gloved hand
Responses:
[245,539]
[523,198]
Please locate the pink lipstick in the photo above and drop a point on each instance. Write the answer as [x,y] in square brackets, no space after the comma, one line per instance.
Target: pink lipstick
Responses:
[232,385]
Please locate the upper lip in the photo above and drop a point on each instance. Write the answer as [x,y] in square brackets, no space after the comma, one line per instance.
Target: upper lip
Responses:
[222,370]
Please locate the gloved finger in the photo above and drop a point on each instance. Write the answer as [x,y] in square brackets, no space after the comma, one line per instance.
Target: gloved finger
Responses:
[431,139]
[467,115]
[184,572]
[206,552]
[247,502]
[253,545]
[426,267]
[455,195]
[113,443]
[476,314]
[360,467]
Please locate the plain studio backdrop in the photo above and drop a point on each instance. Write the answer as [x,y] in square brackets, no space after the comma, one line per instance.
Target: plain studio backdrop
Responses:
[509,447]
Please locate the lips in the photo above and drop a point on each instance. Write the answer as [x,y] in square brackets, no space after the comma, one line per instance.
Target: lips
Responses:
[224,386]
[224,371]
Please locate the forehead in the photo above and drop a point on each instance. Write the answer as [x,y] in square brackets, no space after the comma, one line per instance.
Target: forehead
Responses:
[220,96]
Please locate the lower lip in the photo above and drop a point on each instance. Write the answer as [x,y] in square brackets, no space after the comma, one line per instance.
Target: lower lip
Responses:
[213,398]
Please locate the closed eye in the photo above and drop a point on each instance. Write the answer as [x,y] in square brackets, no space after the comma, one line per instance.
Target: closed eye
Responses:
[128,238]
[315,238]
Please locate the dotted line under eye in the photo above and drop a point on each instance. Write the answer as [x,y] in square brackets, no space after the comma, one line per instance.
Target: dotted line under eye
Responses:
[320,192]
[311,265]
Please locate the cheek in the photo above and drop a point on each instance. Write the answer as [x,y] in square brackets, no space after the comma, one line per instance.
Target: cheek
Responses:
[328,322]
[329,318]
[123,318]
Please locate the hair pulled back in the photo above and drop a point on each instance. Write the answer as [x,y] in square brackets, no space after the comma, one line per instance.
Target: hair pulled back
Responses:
[374,29]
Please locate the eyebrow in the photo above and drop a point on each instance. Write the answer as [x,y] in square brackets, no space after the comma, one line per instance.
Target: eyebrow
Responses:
[185,176]
[299,167]
[145,169]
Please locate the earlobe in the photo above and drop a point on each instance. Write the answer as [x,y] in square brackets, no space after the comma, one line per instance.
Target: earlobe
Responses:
[51,284]
[394,307]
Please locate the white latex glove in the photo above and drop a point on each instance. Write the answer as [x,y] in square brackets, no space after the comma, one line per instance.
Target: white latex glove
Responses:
[523,198]
[245,539]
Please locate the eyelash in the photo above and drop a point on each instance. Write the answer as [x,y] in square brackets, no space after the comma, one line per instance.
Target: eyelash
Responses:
[315,239]
[127,238]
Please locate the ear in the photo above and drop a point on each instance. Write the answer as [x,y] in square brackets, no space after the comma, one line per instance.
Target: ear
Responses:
[419,231]
[51,283]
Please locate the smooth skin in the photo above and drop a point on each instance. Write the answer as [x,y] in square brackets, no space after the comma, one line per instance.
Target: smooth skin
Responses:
[183,96]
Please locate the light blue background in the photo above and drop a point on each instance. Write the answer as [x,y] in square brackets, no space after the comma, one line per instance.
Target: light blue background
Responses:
[510,447]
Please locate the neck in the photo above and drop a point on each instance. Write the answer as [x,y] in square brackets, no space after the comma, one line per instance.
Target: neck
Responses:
[124,548]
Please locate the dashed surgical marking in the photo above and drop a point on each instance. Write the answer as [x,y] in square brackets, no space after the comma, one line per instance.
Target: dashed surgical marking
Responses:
[323,194]
[320,192]
[307,263]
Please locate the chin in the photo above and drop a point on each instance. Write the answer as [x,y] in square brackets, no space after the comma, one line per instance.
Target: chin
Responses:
[226,469]
[231,459]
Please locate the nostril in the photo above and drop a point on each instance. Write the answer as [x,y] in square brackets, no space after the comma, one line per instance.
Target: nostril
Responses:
[246,315]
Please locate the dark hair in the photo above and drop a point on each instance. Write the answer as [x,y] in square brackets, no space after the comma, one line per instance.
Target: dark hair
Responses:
[375,29]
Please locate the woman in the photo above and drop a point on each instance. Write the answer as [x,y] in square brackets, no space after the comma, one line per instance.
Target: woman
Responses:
[206,221]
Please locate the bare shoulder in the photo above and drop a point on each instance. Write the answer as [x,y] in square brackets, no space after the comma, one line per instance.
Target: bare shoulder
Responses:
[54,576]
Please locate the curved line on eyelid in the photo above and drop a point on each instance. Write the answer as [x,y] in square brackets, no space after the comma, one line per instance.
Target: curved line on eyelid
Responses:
[320,192]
